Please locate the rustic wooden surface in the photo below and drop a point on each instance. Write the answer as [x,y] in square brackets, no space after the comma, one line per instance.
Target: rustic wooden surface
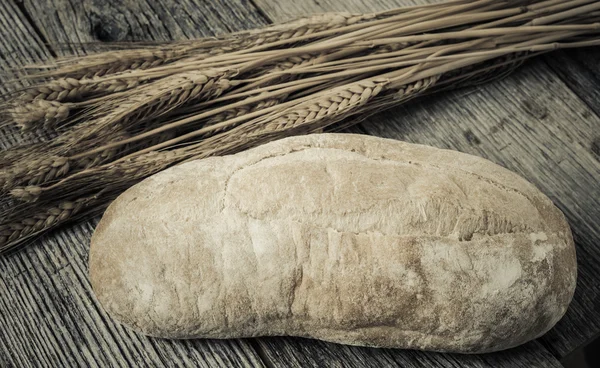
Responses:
[542,122]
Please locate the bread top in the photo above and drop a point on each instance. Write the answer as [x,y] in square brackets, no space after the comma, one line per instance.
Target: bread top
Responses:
[356,183]
[392,188]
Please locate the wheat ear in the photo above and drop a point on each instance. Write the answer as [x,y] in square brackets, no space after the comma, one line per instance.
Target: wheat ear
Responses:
[15,232]
[73,90]
[111,62]
[33,172]
[160,97]
[38,112]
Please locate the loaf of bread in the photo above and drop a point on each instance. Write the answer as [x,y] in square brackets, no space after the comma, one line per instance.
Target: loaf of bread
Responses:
[345,238]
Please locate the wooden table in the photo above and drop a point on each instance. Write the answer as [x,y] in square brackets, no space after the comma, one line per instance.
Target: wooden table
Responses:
[542,122]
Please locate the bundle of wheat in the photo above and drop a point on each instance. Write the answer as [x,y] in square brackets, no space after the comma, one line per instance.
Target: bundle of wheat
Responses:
[120,116]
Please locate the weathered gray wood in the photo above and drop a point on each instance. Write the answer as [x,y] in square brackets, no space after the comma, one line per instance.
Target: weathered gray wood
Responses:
[47,311]
[580,70]
[48,315]
[287,352]
[19,46]
[65,24]
[532,123]
[278,11]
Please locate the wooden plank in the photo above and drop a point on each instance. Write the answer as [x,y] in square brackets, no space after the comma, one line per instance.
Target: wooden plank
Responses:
[66,24]
[86,30]
[278,11]
[18,46]
[48,315]
[291,352]
[531,123]
[580,70]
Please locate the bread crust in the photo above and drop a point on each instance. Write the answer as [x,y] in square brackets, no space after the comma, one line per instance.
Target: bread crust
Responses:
[345,238]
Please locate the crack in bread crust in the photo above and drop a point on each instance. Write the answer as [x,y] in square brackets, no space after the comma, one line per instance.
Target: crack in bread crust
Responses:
[467,222]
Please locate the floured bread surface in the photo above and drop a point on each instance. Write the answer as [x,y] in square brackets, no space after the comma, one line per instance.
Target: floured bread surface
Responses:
[346,238]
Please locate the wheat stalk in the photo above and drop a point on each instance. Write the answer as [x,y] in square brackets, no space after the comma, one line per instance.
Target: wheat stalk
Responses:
[127,114]
[238,112]
[52,162]
[161,97]
[112,62]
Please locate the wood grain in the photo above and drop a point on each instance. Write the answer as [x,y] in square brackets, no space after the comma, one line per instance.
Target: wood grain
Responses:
[48,316]
[278,11]
[65,24]
[531,123]
[283,352]
[580,70]
[19,46]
